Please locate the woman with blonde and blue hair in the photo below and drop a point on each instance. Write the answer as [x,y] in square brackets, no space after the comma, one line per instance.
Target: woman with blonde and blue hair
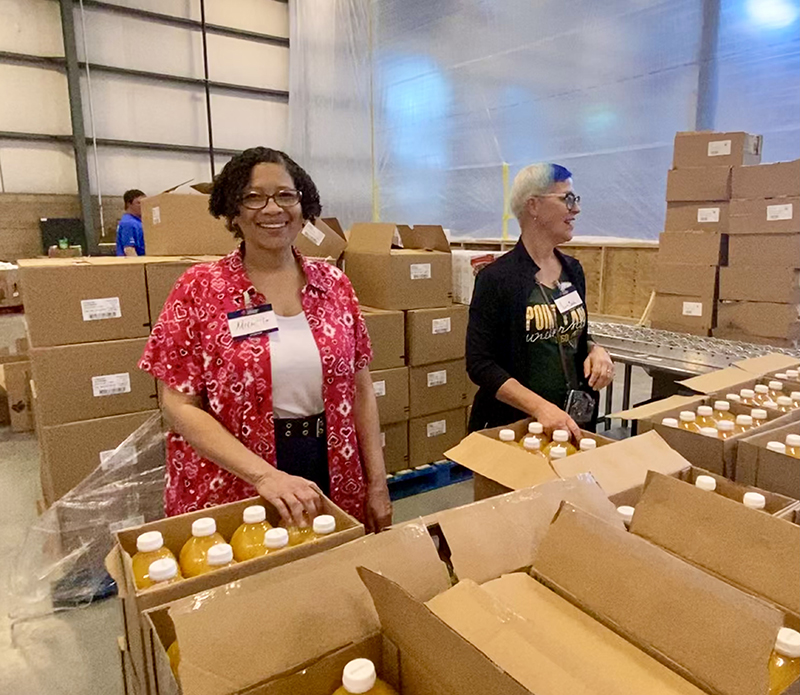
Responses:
[528,345]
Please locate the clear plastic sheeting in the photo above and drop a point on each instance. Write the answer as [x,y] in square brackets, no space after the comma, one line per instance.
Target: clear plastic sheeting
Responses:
[60,564]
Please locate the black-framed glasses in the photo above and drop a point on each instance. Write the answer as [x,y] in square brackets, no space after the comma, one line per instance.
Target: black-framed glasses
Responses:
[569,199]
[286,198]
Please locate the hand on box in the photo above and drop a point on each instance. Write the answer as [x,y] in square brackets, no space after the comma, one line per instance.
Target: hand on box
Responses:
[298,500]
[598,368]
[553,418]
[379,507]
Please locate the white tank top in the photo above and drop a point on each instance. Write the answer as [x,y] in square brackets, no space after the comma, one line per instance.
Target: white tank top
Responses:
[296,369]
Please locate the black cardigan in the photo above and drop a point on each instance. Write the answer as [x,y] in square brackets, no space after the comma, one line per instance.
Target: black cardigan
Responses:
[496,316]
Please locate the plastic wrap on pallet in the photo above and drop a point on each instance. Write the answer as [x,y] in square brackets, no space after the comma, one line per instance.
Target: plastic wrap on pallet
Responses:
[60,563]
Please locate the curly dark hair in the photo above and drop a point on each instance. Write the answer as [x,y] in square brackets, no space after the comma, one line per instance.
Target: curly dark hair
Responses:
[230,184]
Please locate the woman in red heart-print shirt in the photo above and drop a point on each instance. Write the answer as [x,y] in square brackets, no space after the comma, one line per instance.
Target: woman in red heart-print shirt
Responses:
[263,359]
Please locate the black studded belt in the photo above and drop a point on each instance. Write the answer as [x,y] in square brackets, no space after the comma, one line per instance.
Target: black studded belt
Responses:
[312,426]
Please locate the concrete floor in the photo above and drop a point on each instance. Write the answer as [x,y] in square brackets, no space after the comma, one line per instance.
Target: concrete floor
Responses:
[75,652]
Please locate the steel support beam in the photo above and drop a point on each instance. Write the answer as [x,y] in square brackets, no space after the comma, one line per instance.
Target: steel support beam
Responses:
[707,84]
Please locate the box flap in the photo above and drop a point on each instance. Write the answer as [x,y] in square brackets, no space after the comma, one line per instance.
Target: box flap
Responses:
[318,240]
[650,410]
[720,380]
[501,534]
[371,237]
[707,630]
[430,237]
[625,464]
[752,550]
[244,632]
[773,362]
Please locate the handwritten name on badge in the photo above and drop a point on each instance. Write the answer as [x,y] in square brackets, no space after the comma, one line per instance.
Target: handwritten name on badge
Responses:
[253,321]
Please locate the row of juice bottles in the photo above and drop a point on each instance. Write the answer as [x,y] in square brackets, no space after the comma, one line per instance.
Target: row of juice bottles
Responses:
[536,442]
[206,550]
[769,395]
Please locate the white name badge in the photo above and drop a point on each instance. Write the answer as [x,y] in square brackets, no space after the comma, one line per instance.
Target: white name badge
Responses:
[568,301]
[253,321]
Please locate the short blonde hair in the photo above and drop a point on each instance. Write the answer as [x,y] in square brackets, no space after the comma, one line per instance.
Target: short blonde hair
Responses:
[533,180]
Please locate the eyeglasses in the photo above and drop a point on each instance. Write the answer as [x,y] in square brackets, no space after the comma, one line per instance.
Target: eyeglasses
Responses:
[569,199]
[286,198]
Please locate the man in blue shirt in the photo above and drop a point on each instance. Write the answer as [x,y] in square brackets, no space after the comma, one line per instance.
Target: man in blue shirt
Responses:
[130,233]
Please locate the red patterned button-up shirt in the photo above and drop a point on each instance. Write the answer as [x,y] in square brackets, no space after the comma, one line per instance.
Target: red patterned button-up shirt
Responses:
[191,351]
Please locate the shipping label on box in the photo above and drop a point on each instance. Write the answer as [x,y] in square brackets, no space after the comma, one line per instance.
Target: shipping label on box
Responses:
[436,335]
[682,314]
[705,148]
[430,436]
[765,216]
[435,388]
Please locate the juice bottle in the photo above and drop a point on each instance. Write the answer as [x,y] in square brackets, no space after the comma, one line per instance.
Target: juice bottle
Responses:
[785,404]
[726,429]
[759,416]
[219,556]
[748,398]
[299,534]
[537,430]
[670,422]
[276,539]
[194,551]
[587,444]
[722,411]
[744,423]
[706,482]
[164,571]
[359,678]
[775,389]
[533,445]
[762,396]
[561,439]
[149,548]
[793,445]
[688,421]
[626,512]
[710,432]
[784,664]
[795,396]
[733,398]
[324,525]
[174,655]
[507,437]
[705,416]
[754,500]
[557,452]
[777,447]
[248,540]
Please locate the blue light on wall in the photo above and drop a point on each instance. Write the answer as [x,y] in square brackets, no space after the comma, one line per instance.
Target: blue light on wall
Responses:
[773,14]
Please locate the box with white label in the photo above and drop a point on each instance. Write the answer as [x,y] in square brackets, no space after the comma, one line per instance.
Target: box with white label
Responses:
[82,300]
[683,314]
[706,148]
[436,335]
[431,435]
[765,216]
[391,393]
[90,380]
[710,216]
[437,387]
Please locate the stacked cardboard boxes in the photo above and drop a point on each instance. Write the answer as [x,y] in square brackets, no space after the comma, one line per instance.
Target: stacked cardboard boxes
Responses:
[693,245]
[759,291]
[418,334]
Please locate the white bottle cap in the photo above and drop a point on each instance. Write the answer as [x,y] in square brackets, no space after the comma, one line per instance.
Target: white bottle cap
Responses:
[507,435]
[745,420]
[149,542]
[722,406]
[204,527]
[709,432]
[754,500]
[733,397]
[795,395]
[532,443]
[220,554]
[776,386]
[782,376]
[725,426]
[793,440]
[535,428]
[785,401]
[706,482]
[688,416]
[276,538]
[626,512]
[761,388]
[669,422]
[788,643]
[359,676]
[777,447]
[588,444]
[163,570]
[758,414]
[705,411]
[254,514]
[747,393]
[558,452]
[324,524]
[793,373]
[560,436]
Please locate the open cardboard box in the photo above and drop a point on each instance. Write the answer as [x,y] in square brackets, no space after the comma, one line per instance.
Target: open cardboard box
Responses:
[755,465]
[176,530]
[321,241]
[741,374]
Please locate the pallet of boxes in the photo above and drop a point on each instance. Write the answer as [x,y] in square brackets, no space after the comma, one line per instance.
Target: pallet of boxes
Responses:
[694,243]
[403,279]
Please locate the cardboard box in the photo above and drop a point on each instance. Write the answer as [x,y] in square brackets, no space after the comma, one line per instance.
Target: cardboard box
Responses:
[434,388]
[699,184]
[688,280]
[84,300]
[391,393]
[759,284]
[706,216]
[764,250]
[760,318]
[176,530]
[91,380]
[767,180]
[387,335]
[756,465]
[698,248]
[765,216]
[10,287]
[71,452]
[161,277]
[319,240]
[416,276]
[177,223]
[394,440]
[16,384]
[683,313]
[738,376]
[429,437]
[436,335]
[706,148]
